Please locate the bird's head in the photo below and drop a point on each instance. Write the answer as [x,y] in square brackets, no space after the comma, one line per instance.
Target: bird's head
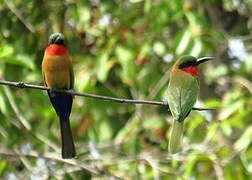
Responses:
[190,64]
[57,38]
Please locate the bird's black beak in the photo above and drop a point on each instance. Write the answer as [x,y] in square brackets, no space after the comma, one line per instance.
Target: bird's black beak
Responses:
[204,59]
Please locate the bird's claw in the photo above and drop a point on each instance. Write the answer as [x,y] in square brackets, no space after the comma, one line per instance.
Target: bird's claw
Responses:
[21,84]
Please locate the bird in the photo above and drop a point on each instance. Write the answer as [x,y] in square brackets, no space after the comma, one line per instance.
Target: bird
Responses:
[58,74]
[183,89]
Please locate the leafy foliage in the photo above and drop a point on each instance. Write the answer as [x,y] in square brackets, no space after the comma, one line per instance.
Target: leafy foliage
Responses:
[125,49]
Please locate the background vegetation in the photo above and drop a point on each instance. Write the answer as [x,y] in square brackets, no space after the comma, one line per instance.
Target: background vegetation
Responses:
[125,49]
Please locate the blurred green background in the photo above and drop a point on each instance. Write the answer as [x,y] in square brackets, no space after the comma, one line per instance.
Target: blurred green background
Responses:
[125,48]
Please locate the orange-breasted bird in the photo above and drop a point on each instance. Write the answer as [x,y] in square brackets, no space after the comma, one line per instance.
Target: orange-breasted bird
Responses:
[183,90]
[58,75]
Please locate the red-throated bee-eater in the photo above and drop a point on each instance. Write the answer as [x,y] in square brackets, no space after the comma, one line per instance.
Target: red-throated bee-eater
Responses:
[183,90]
[58,75]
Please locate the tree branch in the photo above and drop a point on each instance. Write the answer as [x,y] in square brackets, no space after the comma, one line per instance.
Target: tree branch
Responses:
[15,11]
[105,98]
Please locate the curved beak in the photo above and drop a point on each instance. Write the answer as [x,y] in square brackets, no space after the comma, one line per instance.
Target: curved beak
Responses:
[204,59]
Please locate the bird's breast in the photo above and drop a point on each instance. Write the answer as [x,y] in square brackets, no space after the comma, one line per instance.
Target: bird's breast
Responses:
[56,71]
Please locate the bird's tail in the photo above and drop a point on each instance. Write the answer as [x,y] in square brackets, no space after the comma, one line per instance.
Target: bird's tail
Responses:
[68,149]
[62,104]
[175,136]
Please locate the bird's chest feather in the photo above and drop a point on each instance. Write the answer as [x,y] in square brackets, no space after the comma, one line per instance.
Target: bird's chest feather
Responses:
[56,71]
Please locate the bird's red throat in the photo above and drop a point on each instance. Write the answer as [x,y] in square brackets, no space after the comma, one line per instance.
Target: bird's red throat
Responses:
[193,70]
[55,49]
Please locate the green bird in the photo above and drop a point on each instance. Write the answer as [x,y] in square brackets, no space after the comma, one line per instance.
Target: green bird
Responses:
[183,90]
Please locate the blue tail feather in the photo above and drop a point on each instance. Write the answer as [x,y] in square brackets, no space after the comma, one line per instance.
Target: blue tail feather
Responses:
[62,104]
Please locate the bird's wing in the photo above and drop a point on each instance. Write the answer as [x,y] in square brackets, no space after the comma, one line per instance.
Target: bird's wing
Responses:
[71,77]
[188,97]
[44,78]
[182,94]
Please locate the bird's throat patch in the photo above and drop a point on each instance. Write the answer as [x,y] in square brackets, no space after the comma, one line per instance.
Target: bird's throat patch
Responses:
[193,70]
[55,49]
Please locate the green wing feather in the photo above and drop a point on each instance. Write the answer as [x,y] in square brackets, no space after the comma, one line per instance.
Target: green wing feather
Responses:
[182,94]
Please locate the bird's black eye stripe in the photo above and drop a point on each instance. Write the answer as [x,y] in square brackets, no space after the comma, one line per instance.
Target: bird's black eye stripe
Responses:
[187,64]
[58,41]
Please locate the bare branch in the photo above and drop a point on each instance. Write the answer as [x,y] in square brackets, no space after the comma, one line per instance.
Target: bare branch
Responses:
[15,11]
[105,98]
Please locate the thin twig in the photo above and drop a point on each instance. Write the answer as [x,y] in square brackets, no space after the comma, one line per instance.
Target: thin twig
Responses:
[218,170]
[17,13]
[105,98]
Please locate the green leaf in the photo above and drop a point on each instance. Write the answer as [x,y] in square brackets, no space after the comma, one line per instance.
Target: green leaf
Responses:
[212,131]
[195,123]
[106,130]
[244,141]
[3,166]
[125,57]
[226,128]
[230,109]
[84,82]
[147,6]
[3,108]
[102,68]
[159,48]
[21,60]
[183,42]
[197,48]
[6,50]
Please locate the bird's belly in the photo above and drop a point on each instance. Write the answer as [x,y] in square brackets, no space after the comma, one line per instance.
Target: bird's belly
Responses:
[57,72]
[58,80]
